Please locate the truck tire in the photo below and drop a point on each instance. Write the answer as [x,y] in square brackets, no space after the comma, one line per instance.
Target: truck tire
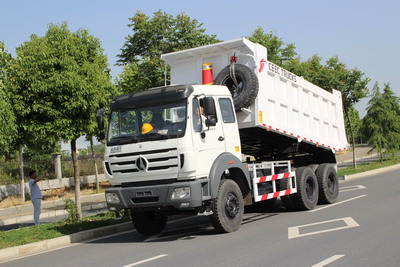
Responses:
[246,92]
[227,207]
[286,200]
[149,222]
[313,167]
[306,197]
[328,184]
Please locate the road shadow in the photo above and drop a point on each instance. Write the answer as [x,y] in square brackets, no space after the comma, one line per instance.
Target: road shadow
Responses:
[191,227]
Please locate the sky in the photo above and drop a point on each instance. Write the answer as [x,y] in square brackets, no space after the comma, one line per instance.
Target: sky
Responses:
[363,34]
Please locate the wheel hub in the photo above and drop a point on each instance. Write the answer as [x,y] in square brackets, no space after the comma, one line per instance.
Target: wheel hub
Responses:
[331,184]
[232,205]
[235,90]
[310,188]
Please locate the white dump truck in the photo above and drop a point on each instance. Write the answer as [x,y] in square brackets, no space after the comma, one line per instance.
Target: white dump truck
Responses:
[179,148]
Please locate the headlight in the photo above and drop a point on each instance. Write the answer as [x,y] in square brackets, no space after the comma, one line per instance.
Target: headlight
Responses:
[181,193]
[112,198]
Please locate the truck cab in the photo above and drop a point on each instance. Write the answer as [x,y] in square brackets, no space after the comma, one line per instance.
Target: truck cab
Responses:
[163,143]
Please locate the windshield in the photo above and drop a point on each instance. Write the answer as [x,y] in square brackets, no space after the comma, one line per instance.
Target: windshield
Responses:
[148,123]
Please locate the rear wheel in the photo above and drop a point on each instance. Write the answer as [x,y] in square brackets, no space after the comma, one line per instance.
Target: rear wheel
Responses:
[149,222]
[314,167]
[227,207]
[328,184]
[306,197]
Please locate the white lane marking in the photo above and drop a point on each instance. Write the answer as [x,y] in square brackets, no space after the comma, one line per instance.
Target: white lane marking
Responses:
[294,232]
[328,260]
[351,188]
[146,260]
[337,203]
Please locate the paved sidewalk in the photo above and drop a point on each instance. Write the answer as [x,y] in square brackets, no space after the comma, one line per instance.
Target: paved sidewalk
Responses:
[50,208]
[361,153]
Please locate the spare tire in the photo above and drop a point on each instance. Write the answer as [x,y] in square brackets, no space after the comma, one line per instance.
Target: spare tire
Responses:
[246,92]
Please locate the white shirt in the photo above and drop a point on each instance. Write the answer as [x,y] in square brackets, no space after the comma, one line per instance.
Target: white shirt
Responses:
[35,190]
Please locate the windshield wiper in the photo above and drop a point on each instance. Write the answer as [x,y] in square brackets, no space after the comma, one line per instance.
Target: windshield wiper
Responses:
[157,136]
[124,139]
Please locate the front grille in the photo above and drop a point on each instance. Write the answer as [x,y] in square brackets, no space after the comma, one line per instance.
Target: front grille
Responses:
[126,171]
[162,167]
[122,155]
[149,161]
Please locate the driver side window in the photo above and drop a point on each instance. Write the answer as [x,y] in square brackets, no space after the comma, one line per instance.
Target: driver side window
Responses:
[196,114]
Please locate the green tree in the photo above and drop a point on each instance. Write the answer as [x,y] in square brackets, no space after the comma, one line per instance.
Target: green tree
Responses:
[7,118]
[278,51]
[356,123]
[163,33]
[381,124]
[372,122]
[391,123]
[60,81]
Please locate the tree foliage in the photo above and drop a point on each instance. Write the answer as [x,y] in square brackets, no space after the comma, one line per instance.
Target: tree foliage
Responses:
[59,82]
[162,33]
[356,123]
[7,118]
[278,51]
[381,124]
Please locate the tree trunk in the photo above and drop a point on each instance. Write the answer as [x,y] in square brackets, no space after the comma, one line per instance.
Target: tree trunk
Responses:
[95,165]
[76,178]
[21,171]
[352,137]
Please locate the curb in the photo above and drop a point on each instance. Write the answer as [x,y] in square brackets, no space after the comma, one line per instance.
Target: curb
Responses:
[50,214]
[371,172]
[24,250]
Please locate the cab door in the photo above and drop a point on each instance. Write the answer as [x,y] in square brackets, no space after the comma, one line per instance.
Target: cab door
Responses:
[208,141]
[229,125]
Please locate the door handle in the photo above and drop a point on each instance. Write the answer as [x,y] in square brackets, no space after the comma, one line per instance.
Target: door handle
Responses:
[221,138]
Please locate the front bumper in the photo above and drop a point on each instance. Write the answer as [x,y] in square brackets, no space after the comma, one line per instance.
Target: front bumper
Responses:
[158,196]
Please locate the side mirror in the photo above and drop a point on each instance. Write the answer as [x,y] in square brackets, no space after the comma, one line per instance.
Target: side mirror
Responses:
[209,107]
[100,119]
[211,121]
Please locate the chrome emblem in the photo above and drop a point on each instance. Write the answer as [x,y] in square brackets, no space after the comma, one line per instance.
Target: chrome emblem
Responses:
[141,163]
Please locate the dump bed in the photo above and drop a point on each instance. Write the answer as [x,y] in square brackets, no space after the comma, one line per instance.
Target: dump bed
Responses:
[287,107]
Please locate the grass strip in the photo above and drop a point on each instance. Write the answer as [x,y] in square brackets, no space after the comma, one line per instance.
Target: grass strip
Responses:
[369,166]
[27,235]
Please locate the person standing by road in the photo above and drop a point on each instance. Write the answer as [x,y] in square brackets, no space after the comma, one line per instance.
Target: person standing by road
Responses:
[36,195]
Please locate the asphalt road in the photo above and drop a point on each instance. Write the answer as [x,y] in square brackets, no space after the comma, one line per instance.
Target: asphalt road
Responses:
[362,229]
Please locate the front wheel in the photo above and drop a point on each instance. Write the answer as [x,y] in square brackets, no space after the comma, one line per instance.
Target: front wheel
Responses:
[227,207]
[149,222]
